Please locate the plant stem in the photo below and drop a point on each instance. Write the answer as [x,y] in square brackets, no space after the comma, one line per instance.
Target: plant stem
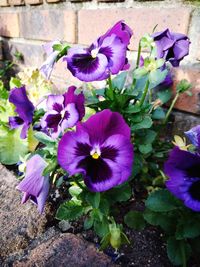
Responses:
[170,108]
[137,65]
[183,254]
[144,93]
[110,83]
[78,183]
[138,56]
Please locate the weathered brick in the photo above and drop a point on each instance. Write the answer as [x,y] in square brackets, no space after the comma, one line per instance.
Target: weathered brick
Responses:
[33,54]
[189,103]
[34,2]
[53,1]
[48,25]
[16,2]
[194,34]
[9,24]
[141,20]
[4,3]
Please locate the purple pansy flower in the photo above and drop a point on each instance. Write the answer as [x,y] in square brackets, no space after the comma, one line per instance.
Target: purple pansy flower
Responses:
[194,136]
[63,111]
[100,149]
[183,170]
[35,186]
[47,66]
[106,56]
[24,108]
[172,47]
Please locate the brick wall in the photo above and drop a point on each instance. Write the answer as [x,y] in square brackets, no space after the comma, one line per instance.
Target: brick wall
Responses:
[27,24]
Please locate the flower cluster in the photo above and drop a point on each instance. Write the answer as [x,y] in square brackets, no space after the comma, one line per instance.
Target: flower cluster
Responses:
[183,170]
[103,145]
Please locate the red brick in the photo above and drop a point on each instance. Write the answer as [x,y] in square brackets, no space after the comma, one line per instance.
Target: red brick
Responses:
[16,2]
[141,20]
[4,3]
[34,2]
[48,25]
[9,24]
[189,103]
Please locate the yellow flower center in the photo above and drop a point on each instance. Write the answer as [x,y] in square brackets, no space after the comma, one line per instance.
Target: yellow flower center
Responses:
[95,155]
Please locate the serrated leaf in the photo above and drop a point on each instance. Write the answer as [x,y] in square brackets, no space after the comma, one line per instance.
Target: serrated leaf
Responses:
[164,95]
[88,223]
[187,228]
[145,149]
[75,190]
[135,220]
[158,114]
[162,201]
[69,210]
[144,124]
[93,199]
[119,81]
[101,228]
[120,194]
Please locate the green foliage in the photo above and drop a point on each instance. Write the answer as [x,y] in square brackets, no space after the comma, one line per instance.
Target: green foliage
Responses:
[134,219]
[70,210]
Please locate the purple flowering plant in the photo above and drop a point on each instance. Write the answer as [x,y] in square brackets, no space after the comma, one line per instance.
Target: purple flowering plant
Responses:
[105,146]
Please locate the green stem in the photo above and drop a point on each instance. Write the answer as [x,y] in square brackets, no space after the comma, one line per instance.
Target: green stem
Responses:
[138,55]
[183,254]
[110,83]
[144,93]
[137,65]
[170,108]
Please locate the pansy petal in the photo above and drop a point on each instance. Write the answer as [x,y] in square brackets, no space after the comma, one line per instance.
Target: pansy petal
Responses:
[113,167]
[78,100]
[194,136]
[15,122]
[24,106]
[104,124]
[33,181]
[55,102]
[72,148]
[41,199]
[115,50]
[72,118]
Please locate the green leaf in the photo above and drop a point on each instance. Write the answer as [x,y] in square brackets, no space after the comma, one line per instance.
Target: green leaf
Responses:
[183,86]
[162,201]
[88,223]
[57,47]
[104,206]
[164,95]
[93,199]
[158,114]
[133,109]
[12,147]
[140,72]
[188,228]
[156,77]
[144,124]
[14,82]
[120,194]
[75,190]
[166,221]
[134,219]
[69,210]
[145,149]
[119,81]
[176,249]
[101,228]
[50,167]
[44,139]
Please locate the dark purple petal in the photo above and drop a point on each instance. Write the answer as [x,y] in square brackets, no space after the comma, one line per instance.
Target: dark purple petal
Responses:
[194,136]
[121,30]
[115,51]
[24,106]
[104,124]
[100,149]
[173,47]
[183,170]
[71,117]
[55,102]
[113,167]
[85,67]
[72,148]
[15,122]
[78,100]
[34,185]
